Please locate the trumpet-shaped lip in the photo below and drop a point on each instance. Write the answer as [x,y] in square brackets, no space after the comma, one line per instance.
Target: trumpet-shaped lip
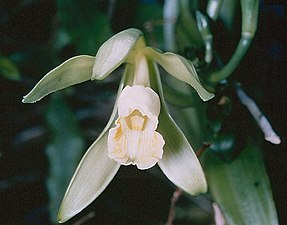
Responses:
[134,139]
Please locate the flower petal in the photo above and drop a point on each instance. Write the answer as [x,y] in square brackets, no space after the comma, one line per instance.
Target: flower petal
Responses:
[73,71]
[179,162]
[114,52]
[180,68]
[94,173]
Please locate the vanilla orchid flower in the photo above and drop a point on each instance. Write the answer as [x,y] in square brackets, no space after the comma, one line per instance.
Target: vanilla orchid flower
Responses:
[140,130]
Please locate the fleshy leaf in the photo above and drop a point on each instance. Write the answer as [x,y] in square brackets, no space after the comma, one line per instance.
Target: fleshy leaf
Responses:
[94,173]
[241,187]
[73,71]
[180,68]
[179,162]
[114,52]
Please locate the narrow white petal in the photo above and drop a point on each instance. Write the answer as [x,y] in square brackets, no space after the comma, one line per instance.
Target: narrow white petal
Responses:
[179,162]
[94,173]
[180,68]
[73,71]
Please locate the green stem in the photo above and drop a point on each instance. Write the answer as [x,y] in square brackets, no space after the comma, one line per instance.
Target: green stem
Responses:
[249,10]
[228,69]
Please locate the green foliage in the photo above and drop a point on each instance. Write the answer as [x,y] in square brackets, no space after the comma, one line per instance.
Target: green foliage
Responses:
[241,188]
[8,69]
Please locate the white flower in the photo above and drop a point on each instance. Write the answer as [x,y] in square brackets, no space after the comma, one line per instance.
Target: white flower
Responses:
[140,130]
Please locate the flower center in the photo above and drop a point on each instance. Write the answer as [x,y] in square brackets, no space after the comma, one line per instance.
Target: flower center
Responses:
[136,121]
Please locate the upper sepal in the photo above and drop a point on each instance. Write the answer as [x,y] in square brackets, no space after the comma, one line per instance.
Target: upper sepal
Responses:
[73,71]
[114,52]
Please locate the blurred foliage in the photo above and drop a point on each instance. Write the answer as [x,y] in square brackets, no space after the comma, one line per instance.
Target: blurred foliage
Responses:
[87,27]
[8,69]
[64,150]
[41,145]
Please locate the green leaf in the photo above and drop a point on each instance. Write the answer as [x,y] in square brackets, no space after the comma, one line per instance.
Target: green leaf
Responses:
[180,68]
[241,188]
[114,52]
[73,71]
[64,150]
[8,69]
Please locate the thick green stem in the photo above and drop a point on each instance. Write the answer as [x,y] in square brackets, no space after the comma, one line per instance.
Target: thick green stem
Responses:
[228,69]
[249,10]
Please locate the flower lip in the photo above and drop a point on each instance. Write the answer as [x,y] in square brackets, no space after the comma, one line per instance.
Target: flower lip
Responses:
[134,139]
